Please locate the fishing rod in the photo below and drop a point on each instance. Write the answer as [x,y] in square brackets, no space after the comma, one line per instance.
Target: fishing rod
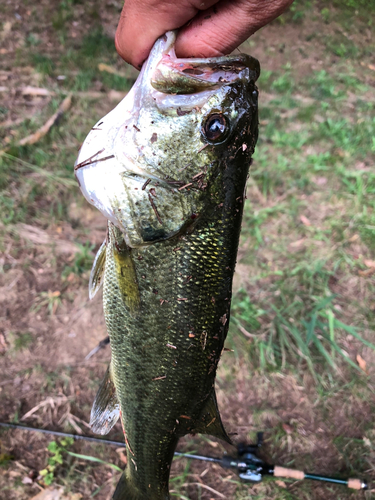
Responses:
[249,467]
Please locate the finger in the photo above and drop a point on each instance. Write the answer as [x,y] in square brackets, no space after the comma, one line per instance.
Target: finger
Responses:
[142,22]
[220,29]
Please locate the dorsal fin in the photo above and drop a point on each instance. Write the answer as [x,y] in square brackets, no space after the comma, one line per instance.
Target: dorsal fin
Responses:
[210,420]
[97,271]
[106,409]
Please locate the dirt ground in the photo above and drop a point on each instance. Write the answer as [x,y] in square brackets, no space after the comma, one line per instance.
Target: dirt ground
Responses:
[48,325]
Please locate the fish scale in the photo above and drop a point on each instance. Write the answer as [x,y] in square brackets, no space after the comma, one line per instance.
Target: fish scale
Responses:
[142,399]
[173,191]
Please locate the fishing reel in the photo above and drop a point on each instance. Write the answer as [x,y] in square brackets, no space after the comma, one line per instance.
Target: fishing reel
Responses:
[249,466]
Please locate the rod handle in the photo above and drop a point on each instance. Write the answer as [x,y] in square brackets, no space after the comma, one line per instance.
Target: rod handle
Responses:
[290,473]
[355,484]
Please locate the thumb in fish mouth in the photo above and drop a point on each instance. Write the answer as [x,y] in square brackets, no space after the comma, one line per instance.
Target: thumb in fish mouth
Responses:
[208,28]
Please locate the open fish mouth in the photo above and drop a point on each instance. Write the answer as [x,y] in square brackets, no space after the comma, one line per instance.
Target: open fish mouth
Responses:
[131,145]
[187,76]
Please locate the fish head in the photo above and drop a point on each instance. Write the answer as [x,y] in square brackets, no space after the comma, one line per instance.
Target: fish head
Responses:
[152,164]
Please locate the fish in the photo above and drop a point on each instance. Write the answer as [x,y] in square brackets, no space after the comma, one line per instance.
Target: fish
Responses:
[168,169]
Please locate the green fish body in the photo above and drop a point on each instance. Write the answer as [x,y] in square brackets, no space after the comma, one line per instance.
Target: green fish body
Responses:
[168,260]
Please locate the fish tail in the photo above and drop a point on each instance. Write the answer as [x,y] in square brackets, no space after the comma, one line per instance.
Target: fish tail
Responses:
[125,490]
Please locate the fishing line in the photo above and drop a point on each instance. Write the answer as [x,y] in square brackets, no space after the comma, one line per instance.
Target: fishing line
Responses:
[63,434]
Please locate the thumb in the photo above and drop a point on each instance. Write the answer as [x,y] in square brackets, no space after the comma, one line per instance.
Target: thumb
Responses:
[142,22]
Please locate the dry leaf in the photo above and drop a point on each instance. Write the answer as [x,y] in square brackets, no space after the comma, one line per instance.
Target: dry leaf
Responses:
[56,494]
[121,454]
[112,95]
[110,69]
[107,68]
[36,91]
[320,181]
[361,363]
[7,28]
[287,428]
[37,236]
[353,238]
[298,243]
[367,273]
[280,483]
[14,473]
[367,442]
[305,220]
[49,494]
[369,263]
[116,95]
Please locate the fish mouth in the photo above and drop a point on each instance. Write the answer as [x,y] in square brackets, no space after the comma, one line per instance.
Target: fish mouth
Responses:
[190,75]
[111,157]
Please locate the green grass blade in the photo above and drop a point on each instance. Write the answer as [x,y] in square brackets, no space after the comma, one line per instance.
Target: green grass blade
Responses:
[324,303]
[346,358]
[353,331]
[310,328]
[323,351]
[55,176]
[94,459]
[331,328]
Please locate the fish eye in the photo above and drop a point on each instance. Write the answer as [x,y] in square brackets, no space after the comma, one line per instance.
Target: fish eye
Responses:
[215,127]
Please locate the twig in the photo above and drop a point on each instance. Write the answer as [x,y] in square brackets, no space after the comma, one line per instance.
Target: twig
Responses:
[91,160]
[33,138]
[207,488]
[101,344]
[42,131]
[36,91]
[155,209]
[112,95]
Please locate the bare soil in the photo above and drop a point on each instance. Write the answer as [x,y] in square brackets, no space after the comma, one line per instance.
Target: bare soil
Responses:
[42,352]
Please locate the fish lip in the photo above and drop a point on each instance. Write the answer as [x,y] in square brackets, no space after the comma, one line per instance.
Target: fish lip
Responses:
[173,75]
[230,62]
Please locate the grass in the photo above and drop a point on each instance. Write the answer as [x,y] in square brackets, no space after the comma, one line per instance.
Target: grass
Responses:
[301,312]
[22,340]
[315,154]
[303,307]
[82,260]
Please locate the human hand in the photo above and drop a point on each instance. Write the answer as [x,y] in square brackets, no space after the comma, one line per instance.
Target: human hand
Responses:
[209,27]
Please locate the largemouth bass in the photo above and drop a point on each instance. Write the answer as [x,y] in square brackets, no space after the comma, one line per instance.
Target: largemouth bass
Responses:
[168,168]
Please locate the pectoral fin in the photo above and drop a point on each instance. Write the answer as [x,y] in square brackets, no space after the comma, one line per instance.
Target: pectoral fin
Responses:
[125,270]
[106,409]
[210,420]
[97,271]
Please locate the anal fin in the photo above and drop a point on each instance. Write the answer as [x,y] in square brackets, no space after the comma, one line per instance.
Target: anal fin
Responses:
[106,409]
[210,420]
